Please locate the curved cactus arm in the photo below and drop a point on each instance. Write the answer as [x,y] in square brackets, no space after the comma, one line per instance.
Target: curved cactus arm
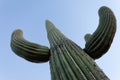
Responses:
[68,61]
[28,50]
[100,41]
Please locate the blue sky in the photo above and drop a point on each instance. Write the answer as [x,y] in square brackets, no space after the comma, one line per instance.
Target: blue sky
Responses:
[74,18]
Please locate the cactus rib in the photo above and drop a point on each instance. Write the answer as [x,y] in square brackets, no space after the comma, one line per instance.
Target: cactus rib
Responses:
[68,61]
[100,41]
[28,50]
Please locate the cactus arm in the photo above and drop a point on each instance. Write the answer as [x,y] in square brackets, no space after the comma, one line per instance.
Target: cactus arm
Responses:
[100,41]
[87,37]
[28,50]
[68,61]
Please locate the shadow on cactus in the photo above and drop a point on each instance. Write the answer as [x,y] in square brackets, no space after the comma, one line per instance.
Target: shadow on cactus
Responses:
[68,61]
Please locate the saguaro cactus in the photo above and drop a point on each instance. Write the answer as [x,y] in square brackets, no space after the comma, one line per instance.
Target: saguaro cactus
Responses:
[68,61]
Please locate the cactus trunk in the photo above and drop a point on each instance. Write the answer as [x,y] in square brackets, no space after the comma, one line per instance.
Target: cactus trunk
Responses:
[68,61]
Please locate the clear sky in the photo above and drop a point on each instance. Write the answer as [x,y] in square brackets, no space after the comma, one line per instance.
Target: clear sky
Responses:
[74,18]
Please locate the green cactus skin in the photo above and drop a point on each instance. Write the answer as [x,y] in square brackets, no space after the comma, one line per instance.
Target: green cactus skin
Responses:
[100,41]
[28,50]
[68,61]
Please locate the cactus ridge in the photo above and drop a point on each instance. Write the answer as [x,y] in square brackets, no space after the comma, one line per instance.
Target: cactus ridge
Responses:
[28,50]
[68,61]
[100,41]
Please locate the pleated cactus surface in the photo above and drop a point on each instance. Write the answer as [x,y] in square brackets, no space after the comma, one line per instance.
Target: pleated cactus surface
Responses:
[68,61]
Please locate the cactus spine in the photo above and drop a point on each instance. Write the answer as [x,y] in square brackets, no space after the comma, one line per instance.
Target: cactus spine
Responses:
[67,60]
[100,41]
